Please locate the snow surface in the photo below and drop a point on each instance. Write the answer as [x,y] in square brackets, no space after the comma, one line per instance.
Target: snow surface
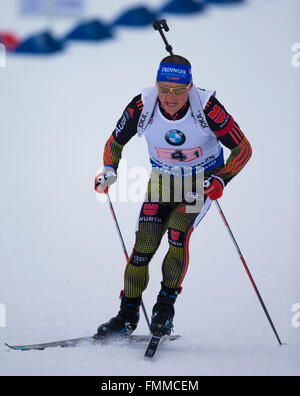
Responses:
[61,261]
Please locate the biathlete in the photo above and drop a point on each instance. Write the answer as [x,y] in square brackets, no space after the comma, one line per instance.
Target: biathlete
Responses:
[185,128]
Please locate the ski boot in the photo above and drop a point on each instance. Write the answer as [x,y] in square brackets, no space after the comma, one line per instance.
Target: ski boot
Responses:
[163,311]
[125,322]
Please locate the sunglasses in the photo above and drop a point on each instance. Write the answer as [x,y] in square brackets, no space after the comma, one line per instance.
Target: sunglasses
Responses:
[176,90]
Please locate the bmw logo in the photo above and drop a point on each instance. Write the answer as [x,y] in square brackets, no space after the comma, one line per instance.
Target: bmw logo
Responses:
[175,137]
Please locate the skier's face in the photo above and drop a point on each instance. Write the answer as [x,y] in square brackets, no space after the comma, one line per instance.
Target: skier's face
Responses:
[169,101]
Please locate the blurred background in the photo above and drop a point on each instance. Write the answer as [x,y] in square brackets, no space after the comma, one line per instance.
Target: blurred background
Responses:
[67,71]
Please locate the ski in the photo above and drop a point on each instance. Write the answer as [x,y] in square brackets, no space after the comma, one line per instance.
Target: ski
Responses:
[84,340]
[154,342]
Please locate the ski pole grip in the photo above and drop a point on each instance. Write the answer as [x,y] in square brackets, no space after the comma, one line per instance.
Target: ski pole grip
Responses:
[161,25]
[100,180]
[206,183]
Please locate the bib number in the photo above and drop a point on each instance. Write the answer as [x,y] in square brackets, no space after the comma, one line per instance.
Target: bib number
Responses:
[182,155]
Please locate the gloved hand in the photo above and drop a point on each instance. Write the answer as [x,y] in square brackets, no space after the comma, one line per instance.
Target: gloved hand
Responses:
[213,187]
[104,179]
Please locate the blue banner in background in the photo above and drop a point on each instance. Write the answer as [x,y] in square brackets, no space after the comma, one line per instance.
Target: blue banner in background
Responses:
[183,7]
[42,43]
[69,7]
[53,7]
[33,7]
[90,31]
[96,30]
[139,16]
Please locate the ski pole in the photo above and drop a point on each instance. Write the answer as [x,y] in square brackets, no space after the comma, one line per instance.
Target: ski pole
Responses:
[161,25]
[124,249]
[247,270]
